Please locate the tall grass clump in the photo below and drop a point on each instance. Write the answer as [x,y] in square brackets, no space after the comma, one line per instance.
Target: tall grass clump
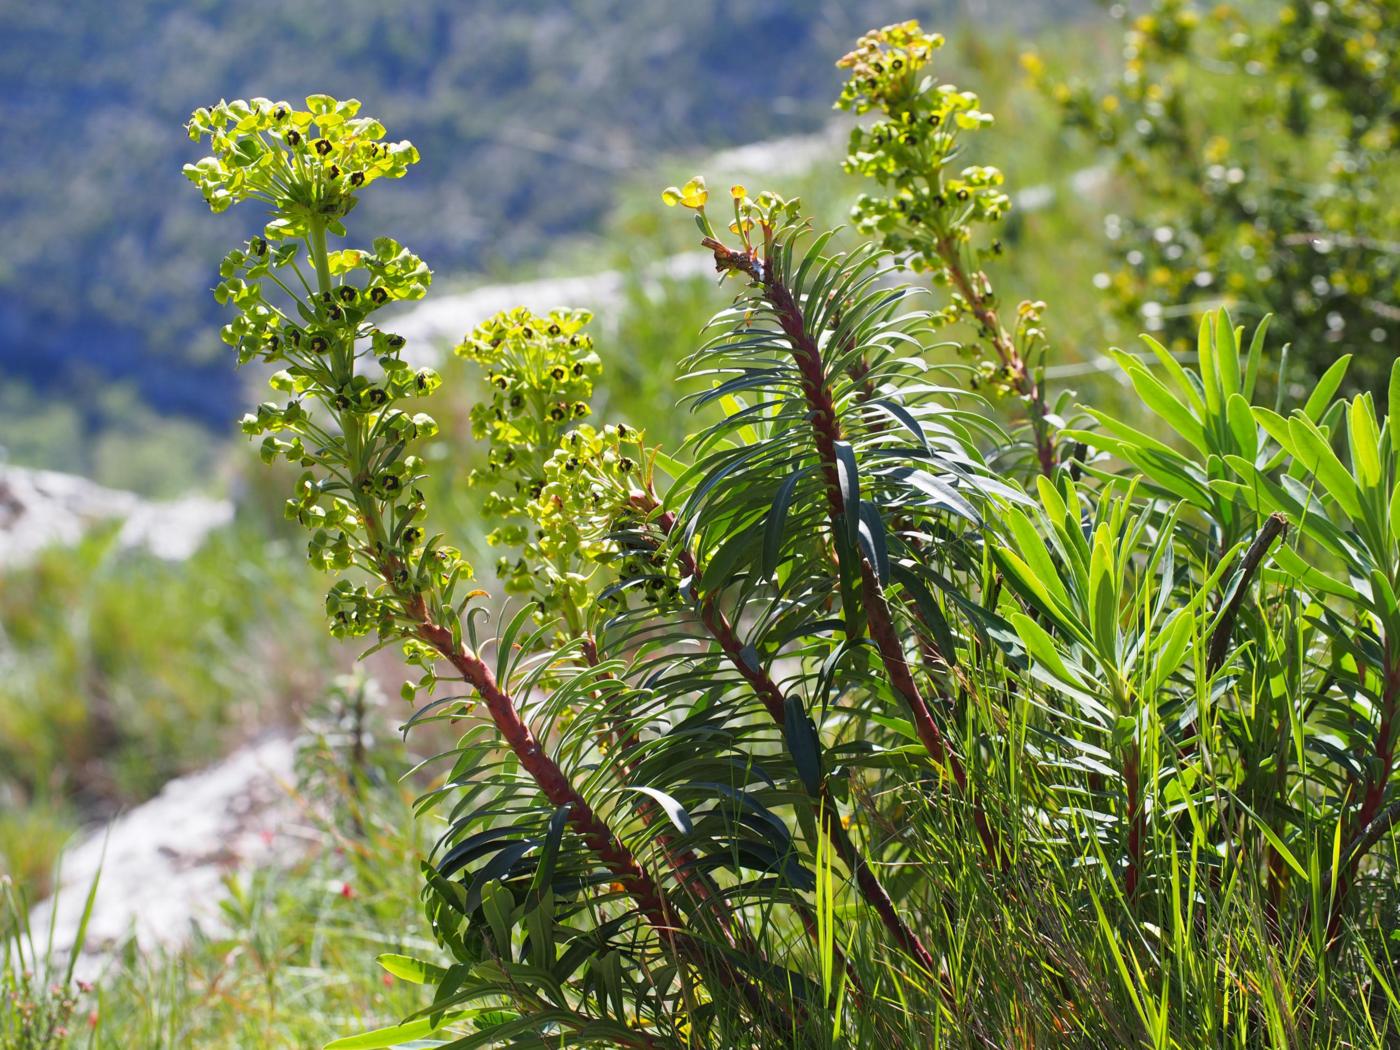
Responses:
[43,1006]
[900,705]
[119,671]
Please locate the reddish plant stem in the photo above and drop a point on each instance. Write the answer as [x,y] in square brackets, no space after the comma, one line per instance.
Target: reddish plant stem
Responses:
[1132,789]
[555,786]
[600,839]
[683,861]
[1362,835]
[826,432]
[869,884]
[1021,378]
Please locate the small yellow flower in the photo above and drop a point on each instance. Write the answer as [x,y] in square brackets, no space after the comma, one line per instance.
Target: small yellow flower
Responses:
[692,195]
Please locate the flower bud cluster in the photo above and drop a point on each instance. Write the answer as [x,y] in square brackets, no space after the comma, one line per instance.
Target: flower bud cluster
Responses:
[278,316]
[588,483]
[997,378]
[909,148]
[558,486]
[346,412]
[305,163]
[768,212]
[539,374]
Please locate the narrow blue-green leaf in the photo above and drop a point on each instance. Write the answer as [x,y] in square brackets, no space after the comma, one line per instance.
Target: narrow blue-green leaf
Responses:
[674,810]
[803,744]
[848,481]
[871,537]
[777,519]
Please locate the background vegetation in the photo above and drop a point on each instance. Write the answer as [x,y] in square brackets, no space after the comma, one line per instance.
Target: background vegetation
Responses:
[554,103]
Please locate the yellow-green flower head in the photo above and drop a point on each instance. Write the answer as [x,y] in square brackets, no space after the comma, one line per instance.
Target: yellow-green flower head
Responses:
[925,206]
[884,65]
[302,162]
[539,369]
[539,374]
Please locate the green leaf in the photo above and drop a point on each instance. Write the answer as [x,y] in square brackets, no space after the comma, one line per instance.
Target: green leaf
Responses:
[1037,557]
[1227,353]
[1242,426]
[389,1037]
[1032,588]
[499,906]
[1163,402]
[803,744]
[871,538]
[777,518]
[1364,440]
[1393,398]
[1042,648]
[1313,578]
[1278,844]
[1173,368]
[1103,593]
[1171,645]
[1256,351]
[1206,362]
[848,480]
[407,968]
[674,810]
[1275,426]
[506,645]
[1314,453]
[1321,395]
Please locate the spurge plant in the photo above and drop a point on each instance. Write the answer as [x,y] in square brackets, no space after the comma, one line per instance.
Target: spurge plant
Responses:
[842,725]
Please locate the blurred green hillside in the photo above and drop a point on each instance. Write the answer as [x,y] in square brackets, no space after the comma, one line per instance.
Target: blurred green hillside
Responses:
[532,114]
